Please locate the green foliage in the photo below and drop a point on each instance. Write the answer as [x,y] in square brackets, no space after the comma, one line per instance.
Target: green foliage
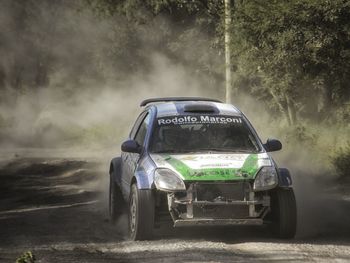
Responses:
[297,49]
[178,8]
[185,31]
[341,162]
[27,257]
[284,52]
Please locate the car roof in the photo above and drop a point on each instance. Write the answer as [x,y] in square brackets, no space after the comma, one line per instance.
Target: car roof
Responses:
[173,108]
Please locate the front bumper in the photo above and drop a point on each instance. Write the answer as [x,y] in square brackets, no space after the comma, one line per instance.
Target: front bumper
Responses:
[210,203]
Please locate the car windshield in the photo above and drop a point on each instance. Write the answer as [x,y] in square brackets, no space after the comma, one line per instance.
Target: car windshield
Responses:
[202,133]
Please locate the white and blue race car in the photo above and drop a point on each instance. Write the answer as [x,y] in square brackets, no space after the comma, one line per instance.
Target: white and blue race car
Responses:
[194,162]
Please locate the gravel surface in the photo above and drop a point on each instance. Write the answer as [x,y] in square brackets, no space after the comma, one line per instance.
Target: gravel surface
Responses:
[56,208]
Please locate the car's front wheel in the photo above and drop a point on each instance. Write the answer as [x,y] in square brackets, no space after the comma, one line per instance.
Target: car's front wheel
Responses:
[283,213]
[141,213]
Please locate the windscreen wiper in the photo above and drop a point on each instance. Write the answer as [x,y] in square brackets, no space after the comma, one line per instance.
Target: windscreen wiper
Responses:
[226,150]
[211,149]
[243,150]
[172,151]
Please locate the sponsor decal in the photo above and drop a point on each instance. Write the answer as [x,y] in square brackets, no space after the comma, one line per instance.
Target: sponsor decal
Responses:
[197,167]
[200,161]
[216,157]
[200,119]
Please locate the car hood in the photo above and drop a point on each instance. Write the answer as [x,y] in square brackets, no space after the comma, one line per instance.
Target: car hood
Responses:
[216,167]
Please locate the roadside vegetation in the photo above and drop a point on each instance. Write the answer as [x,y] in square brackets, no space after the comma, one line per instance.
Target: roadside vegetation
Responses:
[27,257]
[341,162]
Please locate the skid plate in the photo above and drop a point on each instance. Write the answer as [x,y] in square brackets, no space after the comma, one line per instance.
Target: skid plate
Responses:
[217,222]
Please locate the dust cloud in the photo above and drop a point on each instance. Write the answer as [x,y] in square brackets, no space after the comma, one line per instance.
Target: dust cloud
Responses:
[64,86]
[108,111]
[86,103]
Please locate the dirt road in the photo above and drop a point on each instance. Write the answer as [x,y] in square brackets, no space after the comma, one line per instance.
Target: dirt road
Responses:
[56,208]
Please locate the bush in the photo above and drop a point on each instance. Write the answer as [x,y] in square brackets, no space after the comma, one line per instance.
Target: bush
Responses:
[27,257]
[341,162]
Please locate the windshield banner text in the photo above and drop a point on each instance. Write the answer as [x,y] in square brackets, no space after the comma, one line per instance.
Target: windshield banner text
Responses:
[199,120]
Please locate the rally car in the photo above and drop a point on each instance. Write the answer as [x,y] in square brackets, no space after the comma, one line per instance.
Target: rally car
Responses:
[199,162]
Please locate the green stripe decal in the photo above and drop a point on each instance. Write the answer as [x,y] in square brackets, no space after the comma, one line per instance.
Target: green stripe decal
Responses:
[247,171]
[250,166]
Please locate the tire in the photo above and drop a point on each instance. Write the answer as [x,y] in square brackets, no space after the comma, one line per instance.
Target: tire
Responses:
[116,201]
[141,214]
[283,213]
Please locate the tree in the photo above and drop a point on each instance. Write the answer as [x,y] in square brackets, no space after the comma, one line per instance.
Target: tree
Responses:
[292,50]
[185,31]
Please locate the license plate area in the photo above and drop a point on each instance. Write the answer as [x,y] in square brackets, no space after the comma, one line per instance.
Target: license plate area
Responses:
[224,192]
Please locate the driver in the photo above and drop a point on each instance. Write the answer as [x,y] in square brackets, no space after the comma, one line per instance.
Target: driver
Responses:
[171,138]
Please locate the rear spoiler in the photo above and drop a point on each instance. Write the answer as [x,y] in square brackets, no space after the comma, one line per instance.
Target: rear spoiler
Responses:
[167,99]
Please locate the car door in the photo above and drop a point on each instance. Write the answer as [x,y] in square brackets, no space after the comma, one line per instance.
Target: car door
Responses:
[130,160]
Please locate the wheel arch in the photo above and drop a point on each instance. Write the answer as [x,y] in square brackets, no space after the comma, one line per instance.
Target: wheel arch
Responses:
[143,180]
[284,178]
[115,169]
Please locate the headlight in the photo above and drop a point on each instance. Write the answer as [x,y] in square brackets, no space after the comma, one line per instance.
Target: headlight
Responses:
[167,180]
[265,179]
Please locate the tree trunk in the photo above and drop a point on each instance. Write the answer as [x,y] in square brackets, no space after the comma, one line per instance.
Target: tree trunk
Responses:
[291,111]
[327,100]
[282,108]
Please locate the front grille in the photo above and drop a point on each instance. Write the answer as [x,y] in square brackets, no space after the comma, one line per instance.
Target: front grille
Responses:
[220,191]
[221,212]
[218,200]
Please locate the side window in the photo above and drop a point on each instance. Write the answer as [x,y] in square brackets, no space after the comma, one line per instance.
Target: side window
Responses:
[136,126]
[141,132]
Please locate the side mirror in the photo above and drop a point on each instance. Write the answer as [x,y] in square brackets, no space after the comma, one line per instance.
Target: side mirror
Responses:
[272,145]
[131,146]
